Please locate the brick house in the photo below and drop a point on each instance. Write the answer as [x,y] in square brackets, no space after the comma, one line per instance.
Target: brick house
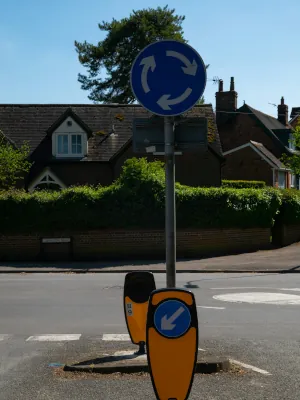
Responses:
[88,144]
[253,142]
[295,117]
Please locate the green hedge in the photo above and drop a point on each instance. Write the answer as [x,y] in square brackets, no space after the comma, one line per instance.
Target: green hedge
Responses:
[243,184]
[136,200]
[290,208]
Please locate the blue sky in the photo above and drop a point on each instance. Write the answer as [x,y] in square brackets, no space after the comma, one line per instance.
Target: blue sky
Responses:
[256,42]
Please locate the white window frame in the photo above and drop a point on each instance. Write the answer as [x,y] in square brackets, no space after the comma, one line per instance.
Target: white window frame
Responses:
[69,129]
[39,180]
[281,172]
[291,144]
[293,181]
[70,154]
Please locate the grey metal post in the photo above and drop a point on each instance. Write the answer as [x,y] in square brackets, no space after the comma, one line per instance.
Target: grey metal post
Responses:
[170,223]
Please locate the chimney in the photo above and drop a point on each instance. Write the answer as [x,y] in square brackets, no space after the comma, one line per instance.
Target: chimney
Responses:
[283,113]
[226,102]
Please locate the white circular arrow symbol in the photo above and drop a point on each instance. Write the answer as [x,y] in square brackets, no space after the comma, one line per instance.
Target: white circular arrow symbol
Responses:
[147,62]
[164,101]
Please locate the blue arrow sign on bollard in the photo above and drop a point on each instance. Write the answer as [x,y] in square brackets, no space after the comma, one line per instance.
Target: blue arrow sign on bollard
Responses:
[172,318]
[168,77]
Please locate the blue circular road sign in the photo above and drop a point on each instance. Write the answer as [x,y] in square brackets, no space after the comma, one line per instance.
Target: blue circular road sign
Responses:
[172,318]
[168,77]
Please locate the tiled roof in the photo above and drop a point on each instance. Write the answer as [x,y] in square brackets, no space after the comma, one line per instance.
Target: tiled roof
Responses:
[269,121]
[295,111]
[268,154]
[31,122]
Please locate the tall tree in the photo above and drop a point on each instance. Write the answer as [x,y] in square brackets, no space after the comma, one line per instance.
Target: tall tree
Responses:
[116,53]
[14,163]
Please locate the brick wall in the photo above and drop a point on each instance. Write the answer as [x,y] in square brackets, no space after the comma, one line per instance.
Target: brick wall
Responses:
[247,164]
[19,247]
[121,244]
[283,235]
[206,167]
[241,131]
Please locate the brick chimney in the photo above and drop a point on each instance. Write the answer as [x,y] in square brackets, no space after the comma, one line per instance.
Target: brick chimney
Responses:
[226,102]
[283,113]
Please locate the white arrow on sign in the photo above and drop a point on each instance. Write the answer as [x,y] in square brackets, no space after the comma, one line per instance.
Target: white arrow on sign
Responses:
[190,68]
[165,103]
[148,63]
[167,324]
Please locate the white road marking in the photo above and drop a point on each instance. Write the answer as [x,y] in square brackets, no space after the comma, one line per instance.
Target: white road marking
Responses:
[240,287]
[4,337]
[216,308]
[53,338]
[260,298]
[123,337]
[201,349]
[247,366]
[292,290]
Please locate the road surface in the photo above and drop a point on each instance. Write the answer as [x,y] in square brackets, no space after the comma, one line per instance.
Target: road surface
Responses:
[61,318]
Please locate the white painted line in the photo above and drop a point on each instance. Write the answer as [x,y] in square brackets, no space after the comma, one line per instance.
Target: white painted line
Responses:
[240,287]
[123,337]
[201,349]
[53,338]
[292,290]
[215,308]
[4,337]
[260,298]
[247,366]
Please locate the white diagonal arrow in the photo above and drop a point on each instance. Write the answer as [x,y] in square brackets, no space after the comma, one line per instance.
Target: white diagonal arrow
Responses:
[165,103]
[167,324]
[190,67]
[147,62]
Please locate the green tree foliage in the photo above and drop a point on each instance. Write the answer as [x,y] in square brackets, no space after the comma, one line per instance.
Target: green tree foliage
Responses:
[14,163]
[116,53]
[293,162]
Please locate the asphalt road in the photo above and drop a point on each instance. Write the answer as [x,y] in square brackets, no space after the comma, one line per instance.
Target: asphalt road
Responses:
[263,336]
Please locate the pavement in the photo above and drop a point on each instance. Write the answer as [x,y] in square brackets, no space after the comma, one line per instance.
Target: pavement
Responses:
[49,320]
[283,260]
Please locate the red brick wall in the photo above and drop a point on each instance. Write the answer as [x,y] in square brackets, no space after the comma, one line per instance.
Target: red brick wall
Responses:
[244,129]
[246,164]
[122,244]
[206,167]
[283,235]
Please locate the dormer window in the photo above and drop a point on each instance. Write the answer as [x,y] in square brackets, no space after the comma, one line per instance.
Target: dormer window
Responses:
[69,145]
[69,140]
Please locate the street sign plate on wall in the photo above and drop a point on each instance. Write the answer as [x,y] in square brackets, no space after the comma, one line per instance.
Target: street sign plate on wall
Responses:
[172,342]
[168,77]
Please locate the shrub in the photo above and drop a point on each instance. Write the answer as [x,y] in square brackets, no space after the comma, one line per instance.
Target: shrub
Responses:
[290,208]
[136,200]
[243,184]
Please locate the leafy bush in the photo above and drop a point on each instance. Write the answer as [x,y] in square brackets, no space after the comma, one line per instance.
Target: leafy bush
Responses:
[243,184]
[136,200]
[290,208]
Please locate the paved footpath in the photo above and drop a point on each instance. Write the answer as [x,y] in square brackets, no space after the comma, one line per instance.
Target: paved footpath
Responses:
[285,259]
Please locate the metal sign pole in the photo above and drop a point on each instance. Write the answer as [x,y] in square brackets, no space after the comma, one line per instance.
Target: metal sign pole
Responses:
[170,223]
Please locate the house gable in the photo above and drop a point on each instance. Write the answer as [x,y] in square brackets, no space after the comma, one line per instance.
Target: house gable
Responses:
[45,179]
